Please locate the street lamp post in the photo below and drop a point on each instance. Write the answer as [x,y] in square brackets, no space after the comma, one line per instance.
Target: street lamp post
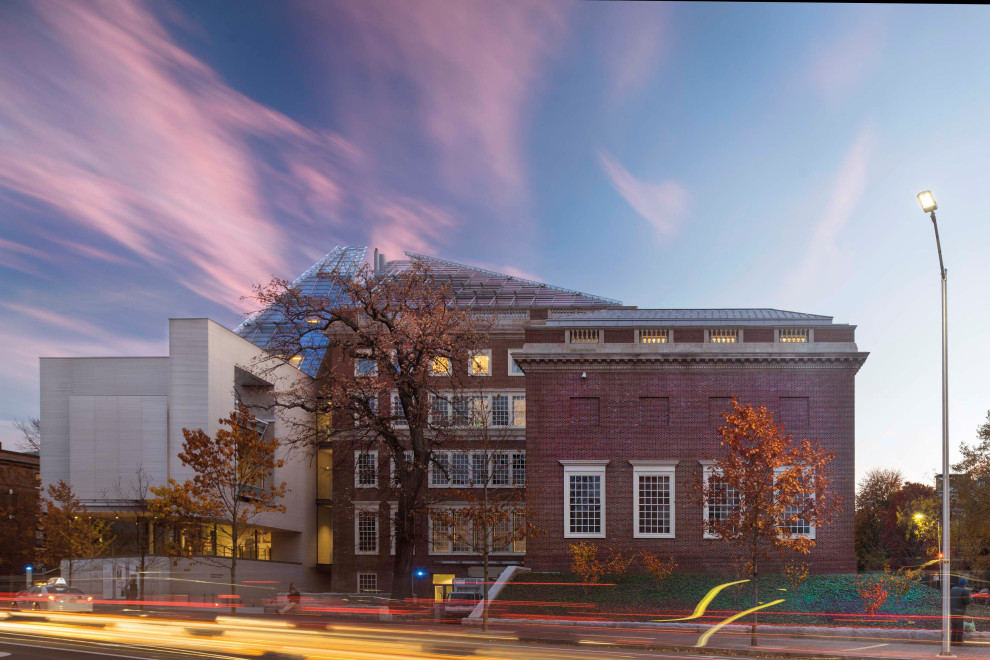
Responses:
[928,205]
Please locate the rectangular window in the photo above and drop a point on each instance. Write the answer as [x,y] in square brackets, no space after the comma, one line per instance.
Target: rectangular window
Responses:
[653,501]
[721,500]
[364,364]
[460,469]
[440,469]
[366,469]
[441,537]
[519,469]
[480,363]
[407,456]
[440,411]
[654,411]
[365,409]
[479,471]
[500,410]
[795,524]
[447,538]
[367,583]
[584,500]
[398,415]
[366,530]
[514,369]
[440,366]
[794,412]
[500,469]
[519,410]
[584,411]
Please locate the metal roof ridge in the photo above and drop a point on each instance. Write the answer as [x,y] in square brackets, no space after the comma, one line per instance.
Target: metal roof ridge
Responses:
[447,262]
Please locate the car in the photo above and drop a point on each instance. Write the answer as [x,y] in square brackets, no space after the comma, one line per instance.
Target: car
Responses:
[55,596]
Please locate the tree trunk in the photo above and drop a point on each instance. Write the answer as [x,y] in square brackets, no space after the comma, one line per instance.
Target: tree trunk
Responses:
[233,566]
[756,595]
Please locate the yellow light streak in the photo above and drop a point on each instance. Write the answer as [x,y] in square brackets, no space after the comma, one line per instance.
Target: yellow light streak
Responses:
[699,610]
[703,640]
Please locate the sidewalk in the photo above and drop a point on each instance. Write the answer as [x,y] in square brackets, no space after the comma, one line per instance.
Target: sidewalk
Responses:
[846,643]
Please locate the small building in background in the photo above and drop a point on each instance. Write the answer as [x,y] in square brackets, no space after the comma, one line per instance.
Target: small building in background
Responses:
[20,481]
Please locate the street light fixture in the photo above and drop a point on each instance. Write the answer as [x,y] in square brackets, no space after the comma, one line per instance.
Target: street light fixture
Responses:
[928,205]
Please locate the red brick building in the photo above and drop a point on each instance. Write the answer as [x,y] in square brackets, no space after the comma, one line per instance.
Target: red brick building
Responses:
[606,414]
[20,479]
[624,405]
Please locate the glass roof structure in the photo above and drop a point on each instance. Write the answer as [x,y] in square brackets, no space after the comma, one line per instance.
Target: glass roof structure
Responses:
[473,287]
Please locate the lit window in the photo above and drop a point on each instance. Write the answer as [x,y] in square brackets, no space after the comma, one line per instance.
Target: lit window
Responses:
[366,469]
[584,499]
[295,360]
[653,501]
[723,335]
[583,336]
[480,363]
[367,583]
[450,533]
[313,320]
[440,366]
[519,410]
[366,530]
[514,368]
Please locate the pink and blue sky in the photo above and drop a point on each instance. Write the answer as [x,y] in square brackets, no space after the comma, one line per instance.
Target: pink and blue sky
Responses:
[158,159]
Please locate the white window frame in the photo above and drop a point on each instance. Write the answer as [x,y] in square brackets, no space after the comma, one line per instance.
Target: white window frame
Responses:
[580,468]
[366,574]
[449,541]
[357,470]
[399,420]
[659,469]
[792,534]
[512,361]
[372,508]
[407,454]
[487,352]
[478,403]
[709,470]
[474,481]
[357,361]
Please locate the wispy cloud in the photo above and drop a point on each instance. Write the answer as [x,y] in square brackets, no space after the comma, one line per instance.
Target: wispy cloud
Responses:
[463,74]
[128,137]
[664,204]
[844,194]
[635,41]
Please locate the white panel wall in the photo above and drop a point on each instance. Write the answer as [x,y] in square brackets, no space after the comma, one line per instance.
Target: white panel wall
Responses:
[111,438]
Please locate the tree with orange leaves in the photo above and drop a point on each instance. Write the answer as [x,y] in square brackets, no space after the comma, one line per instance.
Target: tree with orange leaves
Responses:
[232,487]
[69,532]
[765,492]
[392,379]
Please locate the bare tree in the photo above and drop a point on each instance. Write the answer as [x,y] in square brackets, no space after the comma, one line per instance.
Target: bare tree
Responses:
[392,343]
[31,432]
[129,501]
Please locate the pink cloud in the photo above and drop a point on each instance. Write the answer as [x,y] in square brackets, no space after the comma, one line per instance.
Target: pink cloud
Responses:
[664,204]
[473,70]
[408,224]
[129,137]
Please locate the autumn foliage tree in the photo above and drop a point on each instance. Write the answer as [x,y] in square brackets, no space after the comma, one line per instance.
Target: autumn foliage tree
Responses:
[873,499]
[398,333]
[231,488]
[592,563]
[762,488]
[69,532]
[971,509]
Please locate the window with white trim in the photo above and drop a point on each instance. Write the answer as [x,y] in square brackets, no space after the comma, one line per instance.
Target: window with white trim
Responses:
[480,363]
[407,455]
[468,469]
[454,534]
[365,408]
[514,368]
[398,414]
[366,529]
[364,365]
[721,499]
[584,499]
[796,525]
[653,500]
[366,468]
[367,583]
[501,409]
